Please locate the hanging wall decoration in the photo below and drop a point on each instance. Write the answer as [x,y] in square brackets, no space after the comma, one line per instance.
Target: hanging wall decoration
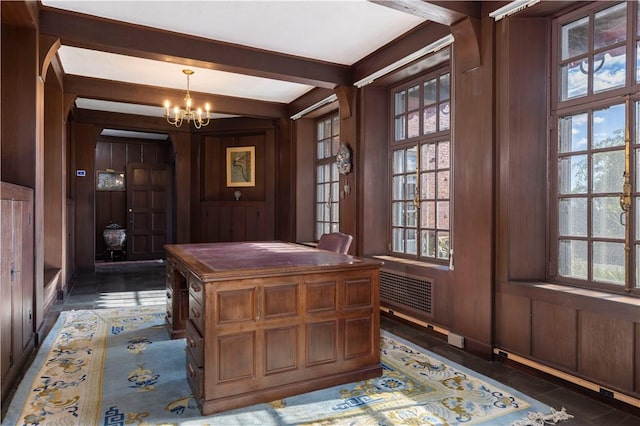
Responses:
[241,166]
[343,158]
[110,180]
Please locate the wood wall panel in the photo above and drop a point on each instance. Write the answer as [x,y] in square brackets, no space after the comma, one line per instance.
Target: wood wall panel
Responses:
[19,126]
[526,117]
[285,185]
[553,334]
[521,198]
[54,177]
[472,219]
[221,217]
[121,154]
[605,349]
[234,221]
[304,130]
[184,185]
[513,323]
[103,156]
[84,139]
[214,178]
[636,361]
[374,171]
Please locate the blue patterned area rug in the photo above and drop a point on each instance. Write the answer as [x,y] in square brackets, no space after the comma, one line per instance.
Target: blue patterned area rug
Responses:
[119,367]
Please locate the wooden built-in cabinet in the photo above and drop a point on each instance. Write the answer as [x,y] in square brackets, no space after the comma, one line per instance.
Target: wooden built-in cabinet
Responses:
[16,282]
[269,320]
[235,221]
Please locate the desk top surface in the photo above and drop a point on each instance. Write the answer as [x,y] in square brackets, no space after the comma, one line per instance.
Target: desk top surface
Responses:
[251,257]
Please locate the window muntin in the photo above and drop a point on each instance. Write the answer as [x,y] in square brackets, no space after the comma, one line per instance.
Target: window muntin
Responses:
[591,164]
[327,213]
[422,108]
[593,53]
[421,169]
[596,234]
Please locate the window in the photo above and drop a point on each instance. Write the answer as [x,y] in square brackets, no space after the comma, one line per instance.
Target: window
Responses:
[596,230]
[327,202]
[421,169]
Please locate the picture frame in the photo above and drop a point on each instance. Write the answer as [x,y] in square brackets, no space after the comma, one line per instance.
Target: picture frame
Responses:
[241,166]
[109,180]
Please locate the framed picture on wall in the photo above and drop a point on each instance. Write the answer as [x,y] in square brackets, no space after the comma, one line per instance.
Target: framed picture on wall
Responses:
[241,166]
[110,181]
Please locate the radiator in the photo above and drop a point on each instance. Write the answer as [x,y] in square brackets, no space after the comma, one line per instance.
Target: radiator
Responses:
[407,291]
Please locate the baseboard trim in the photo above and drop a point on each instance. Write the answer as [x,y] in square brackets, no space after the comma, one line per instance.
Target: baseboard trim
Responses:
[602,390]
[416,321]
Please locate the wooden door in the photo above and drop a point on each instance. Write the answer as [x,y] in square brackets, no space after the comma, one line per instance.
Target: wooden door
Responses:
[147,210]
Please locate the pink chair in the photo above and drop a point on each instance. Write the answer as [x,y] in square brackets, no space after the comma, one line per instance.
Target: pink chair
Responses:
[335,241]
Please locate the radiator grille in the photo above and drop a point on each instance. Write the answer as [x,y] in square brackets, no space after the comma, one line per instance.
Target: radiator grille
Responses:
[407,291]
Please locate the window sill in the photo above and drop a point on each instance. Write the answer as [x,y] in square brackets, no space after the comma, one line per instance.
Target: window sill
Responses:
[624,299]
[420,264]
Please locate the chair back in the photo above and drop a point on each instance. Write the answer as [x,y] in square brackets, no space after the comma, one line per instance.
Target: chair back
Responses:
[335,241]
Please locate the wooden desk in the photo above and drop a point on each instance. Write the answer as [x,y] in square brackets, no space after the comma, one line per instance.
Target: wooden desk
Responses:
[267,320]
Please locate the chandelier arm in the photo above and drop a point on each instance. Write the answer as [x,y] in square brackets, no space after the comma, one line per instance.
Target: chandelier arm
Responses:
[190,114]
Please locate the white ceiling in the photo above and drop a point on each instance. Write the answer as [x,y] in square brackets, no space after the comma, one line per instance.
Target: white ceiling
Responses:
[339,31]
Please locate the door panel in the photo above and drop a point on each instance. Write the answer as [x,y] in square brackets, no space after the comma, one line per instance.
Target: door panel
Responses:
[6,275]
[147,209]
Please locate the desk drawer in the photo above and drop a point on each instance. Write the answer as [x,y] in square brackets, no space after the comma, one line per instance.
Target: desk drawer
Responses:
[196,314]
[195,344]
[195,375]
[196,289]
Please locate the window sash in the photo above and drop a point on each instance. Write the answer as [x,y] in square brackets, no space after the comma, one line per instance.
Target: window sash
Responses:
[420,200]
[327,205]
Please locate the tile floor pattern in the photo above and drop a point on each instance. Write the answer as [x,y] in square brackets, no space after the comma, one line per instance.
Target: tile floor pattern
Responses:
[130,284]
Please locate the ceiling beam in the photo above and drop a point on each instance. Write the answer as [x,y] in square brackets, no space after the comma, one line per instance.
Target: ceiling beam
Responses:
[90,32]
[442,12]
[109,90]
[114,120]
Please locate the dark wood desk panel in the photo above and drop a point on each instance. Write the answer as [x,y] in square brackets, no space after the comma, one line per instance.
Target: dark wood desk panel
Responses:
[267,320]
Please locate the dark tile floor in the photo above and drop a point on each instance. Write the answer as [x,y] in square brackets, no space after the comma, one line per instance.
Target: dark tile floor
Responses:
[130,284]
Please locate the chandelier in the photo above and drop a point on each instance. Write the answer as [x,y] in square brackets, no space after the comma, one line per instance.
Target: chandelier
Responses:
[199,118]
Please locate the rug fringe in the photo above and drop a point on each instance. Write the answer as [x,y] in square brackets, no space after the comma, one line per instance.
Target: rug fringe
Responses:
[541,419]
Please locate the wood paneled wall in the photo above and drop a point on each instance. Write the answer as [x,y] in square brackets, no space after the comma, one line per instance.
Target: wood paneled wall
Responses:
[222,217]
[304,130]
[588,334]
[113,154]
[462,296]
[83,139]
